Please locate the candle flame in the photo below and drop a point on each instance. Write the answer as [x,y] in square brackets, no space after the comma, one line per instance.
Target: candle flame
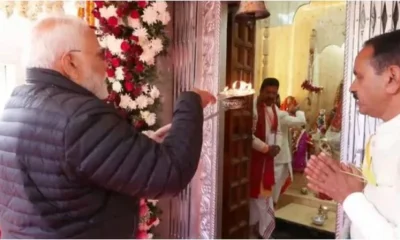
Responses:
[239,88]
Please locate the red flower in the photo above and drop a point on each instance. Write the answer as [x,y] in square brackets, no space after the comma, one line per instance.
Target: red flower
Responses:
[128,76]
[137,91]
[129,86]
[96,13]
[110,72]
[120,12]
[112,96]
[103,21]
[108,54]
[138,125]
[151,221]
[117,31]
[122,8]
[113,21]
[139,67]
[99,4]
[135,14]
[115,62]
[142,4]
[141,235]
[136,50]
[125,46]
[134,38]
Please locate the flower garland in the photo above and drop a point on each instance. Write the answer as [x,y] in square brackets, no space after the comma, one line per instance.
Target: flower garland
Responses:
[133,34]
[307,85]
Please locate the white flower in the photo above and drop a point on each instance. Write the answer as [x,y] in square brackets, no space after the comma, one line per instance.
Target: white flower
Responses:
[150,15]
[142,101]
[107,12]
[148,117]
[154,92]
[141,32]
[127,102]
[111,79]
[119,73]
[103,42]
[125,99]
[156,222]
[114,44]
[160,6]
[150,101]
[147,55]
[153,202]
[134,23]
[164,18]
[149,236]
[116,86]
[132,104]
[145,88]
[156,45]
[143,42]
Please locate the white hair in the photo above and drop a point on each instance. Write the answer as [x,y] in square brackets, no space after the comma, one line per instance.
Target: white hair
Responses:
[51,37]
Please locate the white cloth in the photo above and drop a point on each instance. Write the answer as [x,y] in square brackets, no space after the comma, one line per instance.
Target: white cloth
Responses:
[375,213]
[285,123]
[283,161]
[262,211]
[281,173]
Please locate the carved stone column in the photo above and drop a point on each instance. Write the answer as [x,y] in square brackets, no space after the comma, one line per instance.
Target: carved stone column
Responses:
[195,59]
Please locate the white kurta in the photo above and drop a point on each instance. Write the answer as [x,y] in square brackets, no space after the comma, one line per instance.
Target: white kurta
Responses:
[283,161]
[375,213]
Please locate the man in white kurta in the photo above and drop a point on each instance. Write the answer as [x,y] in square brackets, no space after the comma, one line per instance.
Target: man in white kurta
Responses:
[373,207]
[261,207]
[283,161]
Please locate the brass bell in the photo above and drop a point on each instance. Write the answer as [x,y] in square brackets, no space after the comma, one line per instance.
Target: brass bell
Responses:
[252,10]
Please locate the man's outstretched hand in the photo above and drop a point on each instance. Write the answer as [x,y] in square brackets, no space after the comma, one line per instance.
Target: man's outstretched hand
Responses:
[206,97]
[326,175]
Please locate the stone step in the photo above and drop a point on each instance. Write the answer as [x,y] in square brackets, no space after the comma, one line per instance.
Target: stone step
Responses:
[295,196]
[303,215]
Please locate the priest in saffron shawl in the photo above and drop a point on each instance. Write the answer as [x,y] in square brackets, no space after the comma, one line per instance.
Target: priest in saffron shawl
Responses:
[266,141]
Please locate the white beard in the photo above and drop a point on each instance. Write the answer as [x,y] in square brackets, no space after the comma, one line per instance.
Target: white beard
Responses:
[97,85]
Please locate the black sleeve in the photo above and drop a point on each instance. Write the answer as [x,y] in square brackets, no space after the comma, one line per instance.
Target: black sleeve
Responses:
[104,149]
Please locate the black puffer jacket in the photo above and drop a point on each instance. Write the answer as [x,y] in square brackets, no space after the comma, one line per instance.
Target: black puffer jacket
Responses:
[70,167]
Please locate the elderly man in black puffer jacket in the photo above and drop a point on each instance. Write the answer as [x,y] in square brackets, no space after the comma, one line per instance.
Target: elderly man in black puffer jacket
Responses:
[70,166]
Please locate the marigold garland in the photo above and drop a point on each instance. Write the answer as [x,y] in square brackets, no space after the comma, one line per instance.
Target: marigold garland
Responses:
[133,34]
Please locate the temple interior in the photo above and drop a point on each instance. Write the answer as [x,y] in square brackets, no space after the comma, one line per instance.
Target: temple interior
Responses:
[302,44]
[305,42]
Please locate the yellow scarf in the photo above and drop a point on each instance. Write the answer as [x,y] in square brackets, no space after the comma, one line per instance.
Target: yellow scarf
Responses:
[367,170]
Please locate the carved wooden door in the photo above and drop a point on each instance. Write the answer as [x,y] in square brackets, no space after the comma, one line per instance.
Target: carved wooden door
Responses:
[238,132]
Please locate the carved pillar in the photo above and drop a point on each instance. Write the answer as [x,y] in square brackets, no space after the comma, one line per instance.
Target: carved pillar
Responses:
[195,59]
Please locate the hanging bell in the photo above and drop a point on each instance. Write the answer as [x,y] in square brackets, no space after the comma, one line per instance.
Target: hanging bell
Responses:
[252,10]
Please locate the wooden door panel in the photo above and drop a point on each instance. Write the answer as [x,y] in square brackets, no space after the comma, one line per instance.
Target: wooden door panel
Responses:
[238,135]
